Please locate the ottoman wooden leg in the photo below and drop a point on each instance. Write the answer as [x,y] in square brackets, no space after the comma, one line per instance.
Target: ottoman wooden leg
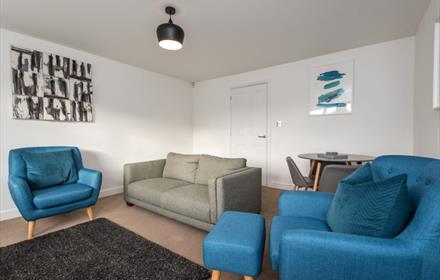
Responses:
[248,278]
[215,275]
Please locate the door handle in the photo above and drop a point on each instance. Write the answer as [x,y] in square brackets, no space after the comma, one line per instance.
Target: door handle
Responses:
[261,136]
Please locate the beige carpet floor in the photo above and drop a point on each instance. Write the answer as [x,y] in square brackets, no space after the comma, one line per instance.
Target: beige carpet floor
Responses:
[179,238]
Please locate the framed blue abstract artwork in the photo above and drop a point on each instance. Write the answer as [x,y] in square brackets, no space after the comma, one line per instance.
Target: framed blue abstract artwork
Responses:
[331,89]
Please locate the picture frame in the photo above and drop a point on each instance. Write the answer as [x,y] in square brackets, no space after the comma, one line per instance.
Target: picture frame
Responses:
[331,88]
[50,87]
[436,70]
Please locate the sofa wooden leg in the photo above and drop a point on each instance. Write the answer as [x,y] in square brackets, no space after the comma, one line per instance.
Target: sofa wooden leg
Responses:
[31,227]
[248,278]
[215,275]
[129,204]
[89,212]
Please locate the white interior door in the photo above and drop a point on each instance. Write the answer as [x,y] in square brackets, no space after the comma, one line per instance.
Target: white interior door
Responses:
[249,126]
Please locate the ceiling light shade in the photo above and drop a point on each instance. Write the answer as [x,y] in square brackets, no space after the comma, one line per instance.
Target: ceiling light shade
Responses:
[170,35]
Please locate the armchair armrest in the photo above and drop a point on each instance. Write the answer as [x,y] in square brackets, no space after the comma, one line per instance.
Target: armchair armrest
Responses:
[90,177]
[143,170]
[309,254]
[239,191]
[305,204]
[22,196]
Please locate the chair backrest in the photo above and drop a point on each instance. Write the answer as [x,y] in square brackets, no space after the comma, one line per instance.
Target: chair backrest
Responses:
[333,174]
[295,173]
[423,230]
[17,166]
[424,188]
[422,172]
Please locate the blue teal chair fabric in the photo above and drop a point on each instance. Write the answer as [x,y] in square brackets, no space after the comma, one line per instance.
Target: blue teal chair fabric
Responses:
[303,247]
[37,203]
[236,244]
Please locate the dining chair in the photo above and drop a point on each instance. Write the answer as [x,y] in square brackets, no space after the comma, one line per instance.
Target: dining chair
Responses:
[299,181]
[333,174]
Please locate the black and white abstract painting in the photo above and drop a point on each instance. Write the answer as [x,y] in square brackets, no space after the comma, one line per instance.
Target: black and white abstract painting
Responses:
[47,86]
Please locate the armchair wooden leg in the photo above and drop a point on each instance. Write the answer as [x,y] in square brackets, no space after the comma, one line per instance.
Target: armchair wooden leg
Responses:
[89,213]
[248,278]
[215,275]
[31,227]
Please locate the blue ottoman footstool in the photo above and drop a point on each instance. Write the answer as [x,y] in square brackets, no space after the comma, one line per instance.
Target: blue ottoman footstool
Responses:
[235,244]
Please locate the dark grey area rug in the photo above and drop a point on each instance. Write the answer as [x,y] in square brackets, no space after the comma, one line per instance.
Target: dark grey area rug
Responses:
[95,250]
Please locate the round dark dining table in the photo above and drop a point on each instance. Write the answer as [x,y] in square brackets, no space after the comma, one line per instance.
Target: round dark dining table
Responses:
[318,159]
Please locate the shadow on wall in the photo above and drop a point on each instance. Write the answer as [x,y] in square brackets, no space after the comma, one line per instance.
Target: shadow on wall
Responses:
[107,164]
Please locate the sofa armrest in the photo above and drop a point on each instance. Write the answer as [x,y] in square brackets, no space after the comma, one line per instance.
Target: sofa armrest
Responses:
[143,170]
[239,191]
[310,254]
[305,204]
[22,196]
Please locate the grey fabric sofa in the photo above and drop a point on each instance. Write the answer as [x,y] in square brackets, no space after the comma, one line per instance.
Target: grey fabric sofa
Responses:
[193,189]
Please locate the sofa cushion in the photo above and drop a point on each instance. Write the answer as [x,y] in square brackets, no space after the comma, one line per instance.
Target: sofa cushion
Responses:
[61,195]
[190,200]
[181,167]
[212,167]
[282,223]
[149,190]
[48,169]
[366,205]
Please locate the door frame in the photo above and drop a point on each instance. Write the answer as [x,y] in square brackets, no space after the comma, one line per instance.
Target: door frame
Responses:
[268,122]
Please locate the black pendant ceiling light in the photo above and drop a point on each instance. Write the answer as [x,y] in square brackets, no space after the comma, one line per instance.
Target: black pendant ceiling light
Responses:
[170,35]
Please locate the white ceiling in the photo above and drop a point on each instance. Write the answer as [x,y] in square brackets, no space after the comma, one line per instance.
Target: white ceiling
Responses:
[222,37]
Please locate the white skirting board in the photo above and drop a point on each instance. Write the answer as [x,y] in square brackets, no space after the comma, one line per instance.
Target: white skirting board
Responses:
[13,212]
[281,185]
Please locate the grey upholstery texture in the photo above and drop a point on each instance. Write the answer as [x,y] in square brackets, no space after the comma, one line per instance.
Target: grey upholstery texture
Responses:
[332,174]
[199,205]
[238,192]
[142,170]
[181,167]
[150,190]
[190,200]
[170,214]
[213,167]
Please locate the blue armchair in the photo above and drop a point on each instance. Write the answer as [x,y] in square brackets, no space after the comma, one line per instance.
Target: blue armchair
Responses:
[303,247]
[35,204]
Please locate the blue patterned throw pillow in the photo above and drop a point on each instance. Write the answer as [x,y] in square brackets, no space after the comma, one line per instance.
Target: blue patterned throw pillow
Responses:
[367,205]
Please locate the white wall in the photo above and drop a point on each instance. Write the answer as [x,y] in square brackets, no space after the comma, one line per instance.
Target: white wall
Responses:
[140,115]
[426,120]
[381,122]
